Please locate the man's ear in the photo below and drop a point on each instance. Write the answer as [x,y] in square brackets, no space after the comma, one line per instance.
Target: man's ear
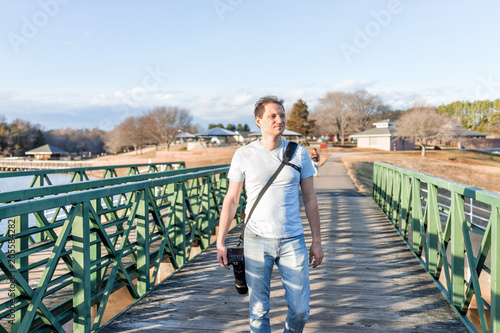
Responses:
[257,120]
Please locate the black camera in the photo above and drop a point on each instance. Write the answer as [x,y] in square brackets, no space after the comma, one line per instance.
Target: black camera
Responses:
[236,258]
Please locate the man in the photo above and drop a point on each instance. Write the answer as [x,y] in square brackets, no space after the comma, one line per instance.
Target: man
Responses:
[315,159]
[274,233]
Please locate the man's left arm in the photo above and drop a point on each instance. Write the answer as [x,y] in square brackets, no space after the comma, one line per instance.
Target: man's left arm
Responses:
[312,213]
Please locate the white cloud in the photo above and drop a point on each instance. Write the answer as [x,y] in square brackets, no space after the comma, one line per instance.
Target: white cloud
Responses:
[242,98]
[351,85]
[165,96]
[65,107]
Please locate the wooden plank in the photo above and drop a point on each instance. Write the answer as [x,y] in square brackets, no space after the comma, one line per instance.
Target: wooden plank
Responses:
[369,281]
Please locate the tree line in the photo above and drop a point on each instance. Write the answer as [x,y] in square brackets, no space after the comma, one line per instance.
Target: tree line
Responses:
[231,127]
[20,136]
[482,116]
[340,113]
[344,113]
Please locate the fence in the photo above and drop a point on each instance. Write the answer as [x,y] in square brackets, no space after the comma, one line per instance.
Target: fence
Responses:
[99,241]
[41,177]
[454,231]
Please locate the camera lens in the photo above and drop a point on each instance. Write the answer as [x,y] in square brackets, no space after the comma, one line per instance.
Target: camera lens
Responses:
[239,276]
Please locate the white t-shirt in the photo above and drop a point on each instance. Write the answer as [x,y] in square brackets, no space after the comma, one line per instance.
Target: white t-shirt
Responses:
[277,213]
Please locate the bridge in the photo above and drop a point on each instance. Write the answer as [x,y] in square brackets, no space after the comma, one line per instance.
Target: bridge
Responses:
[17,165]
[402,261]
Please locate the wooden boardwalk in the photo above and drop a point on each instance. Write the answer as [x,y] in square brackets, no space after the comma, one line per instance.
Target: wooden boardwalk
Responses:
[368,282]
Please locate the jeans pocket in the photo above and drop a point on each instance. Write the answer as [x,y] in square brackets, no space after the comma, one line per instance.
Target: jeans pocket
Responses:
[251,234]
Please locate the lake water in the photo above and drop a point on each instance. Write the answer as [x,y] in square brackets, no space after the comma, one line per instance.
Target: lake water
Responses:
[22,183]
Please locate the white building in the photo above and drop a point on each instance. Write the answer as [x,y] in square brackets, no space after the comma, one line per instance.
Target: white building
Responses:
[384,137]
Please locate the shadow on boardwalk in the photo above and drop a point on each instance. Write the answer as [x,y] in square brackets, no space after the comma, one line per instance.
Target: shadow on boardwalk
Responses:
[368,282]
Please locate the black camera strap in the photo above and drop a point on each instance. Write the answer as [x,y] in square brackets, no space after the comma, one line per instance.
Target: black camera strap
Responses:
[287,156]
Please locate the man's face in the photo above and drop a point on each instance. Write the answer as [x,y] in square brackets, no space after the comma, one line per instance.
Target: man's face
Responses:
[273,119]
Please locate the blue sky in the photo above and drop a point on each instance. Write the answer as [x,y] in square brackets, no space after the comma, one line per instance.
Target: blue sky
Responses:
[86,64]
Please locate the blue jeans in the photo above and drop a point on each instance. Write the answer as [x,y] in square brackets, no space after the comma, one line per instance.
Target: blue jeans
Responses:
[291,257]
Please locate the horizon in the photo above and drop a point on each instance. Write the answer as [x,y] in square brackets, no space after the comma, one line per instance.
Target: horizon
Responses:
[90,65]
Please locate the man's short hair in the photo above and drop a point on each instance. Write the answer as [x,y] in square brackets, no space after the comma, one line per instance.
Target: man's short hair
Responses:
[261,103]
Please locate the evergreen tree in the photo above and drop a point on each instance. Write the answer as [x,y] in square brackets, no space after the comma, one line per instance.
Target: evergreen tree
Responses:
[298,119]
[210,126]
[478,115]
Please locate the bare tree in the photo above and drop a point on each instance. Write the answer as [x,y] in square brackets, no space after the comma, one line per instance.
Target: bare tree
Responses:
[164,123]
[423,123]
[354,112]
[363,108]
[333,112]
[134,132]
[114,143]
[157,126]
[76,140]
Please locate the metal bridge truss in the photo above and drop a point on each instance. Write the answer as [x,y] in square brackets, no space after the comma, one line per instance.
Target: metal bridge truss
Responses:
[41,177]
[454,230]
[99,237]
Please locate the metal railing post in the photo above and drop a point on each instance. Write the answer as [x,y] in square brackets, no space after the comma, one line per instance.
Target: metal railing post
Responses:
[205,214]
[405,205]
[177,232]
[82,322]
[396,199]
[416,215]
[495,269]
[143,261]
[457,250]
[20,244]
[433,223]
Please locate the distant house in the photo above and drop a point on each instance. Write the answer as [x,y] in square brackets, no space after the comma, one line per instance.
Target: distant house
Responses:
[243,137]
[461,132]
[47,152]
[384,137]
[469,139]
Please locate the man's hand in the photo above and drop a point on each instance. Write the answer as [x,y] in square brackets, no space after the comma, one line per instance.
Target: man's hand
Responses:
[222,256]
[315,254]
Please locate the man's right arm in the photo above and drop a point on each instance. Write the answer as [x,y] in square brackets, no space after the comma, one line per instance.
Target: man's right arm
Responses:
[229,207]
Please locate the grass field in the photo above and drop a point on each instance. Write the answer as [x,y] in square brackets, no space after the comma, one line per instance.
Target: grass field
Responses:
[481,170]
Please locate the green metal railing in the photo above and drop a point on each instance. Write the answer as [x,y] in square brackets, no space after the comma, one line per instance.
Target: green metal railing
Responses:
[41,177]
[38,192]
[98,241]
[430,215]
